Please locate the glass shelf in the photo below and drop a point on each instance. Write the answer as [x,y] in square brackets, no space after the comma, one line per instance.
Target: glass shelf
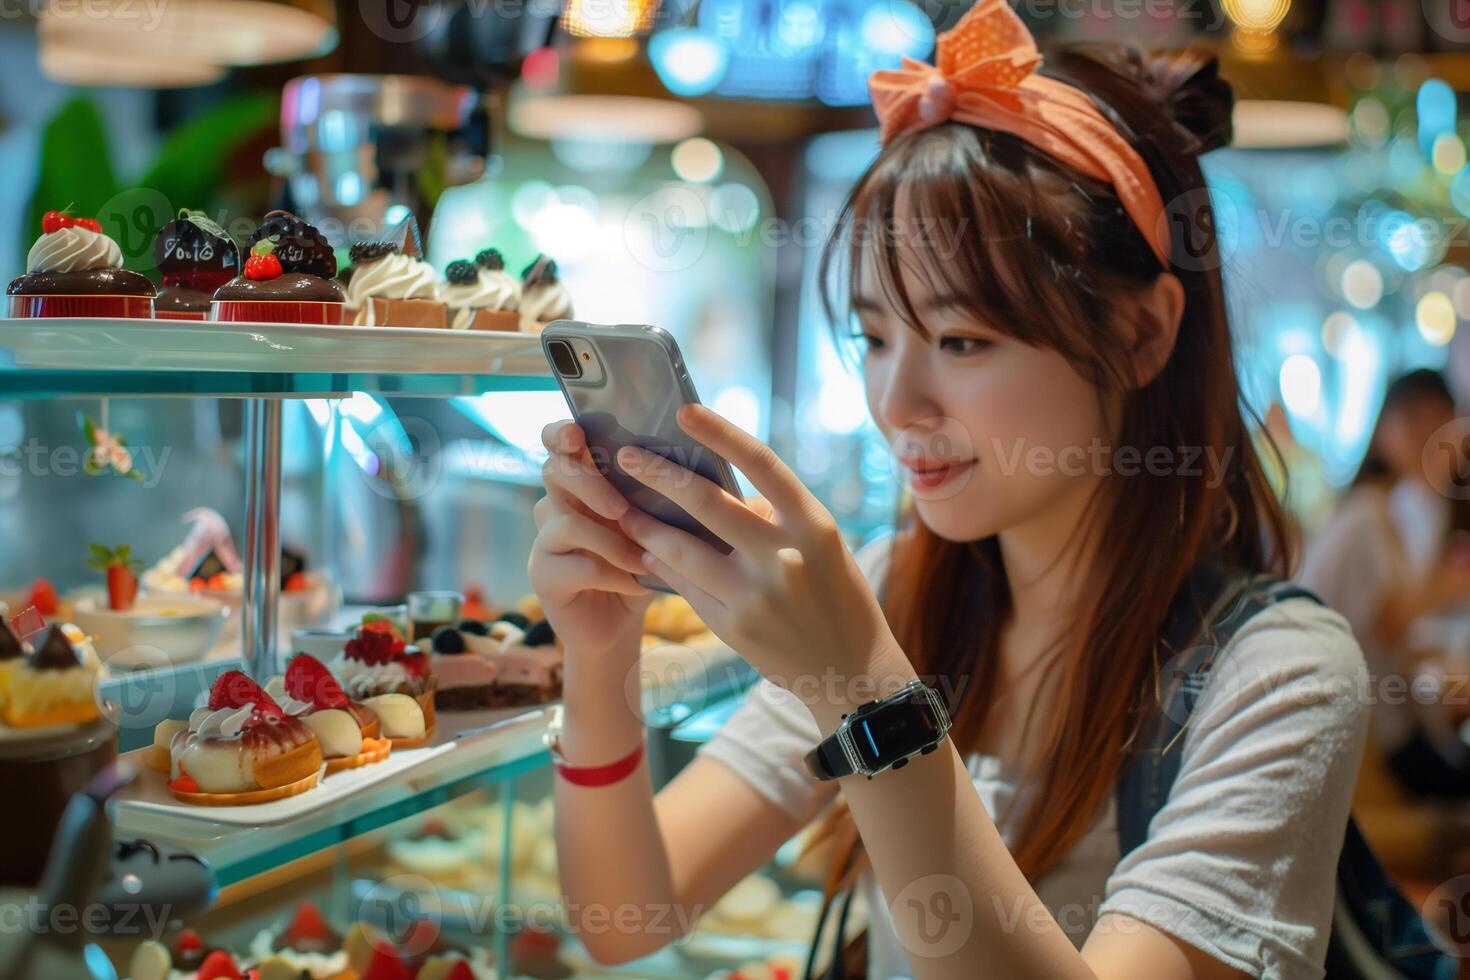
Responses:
[81,357]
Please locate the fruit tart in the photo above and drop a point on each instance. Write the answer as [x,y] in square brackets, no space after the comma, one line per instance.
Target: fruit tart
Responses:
[392,678]
[349,732]
[306,949]
[75,270]
[190,958]
[242,748]
[288,277]
[195,257]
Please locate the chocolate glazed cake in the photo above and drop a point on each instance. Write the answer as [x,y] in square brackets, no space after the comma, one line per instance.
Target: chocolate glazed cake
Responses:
[288,277]
[195,257]
[75,270]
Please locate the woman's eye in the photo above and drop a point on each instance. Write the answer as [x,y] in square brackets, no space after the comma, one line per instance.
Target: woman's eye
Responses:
[964,345]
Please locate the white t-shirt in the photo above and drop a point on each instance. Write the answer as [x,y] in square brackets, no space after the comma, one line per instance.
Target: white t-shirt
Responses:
[1241,860]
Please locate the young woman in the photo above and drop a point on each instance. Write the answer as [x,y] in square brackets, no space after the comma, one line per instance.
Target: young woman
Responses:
[1049,357]
[1387,561]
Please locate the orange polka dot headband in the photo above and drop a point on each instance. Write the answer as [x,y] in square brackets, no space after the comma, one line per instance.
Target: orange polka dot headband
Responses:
[986,76]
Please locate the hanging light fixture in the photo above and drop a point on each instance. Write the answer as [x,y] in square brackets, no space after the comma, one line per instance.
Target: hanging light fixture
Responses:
[608,18]
[217,32]
[69,65]
[1256,22]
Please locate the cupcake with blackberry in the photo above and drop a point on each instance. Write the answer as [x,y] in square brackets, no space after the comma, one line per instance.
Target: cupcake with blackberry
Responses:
[391,289]
[75,270]
[543,295]
[287,279]
[481,295]
[195,257]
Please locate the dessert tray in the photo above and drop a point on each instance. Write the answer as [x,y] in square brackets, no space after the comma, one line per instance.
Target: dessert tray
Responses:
[114,344]
[153,796]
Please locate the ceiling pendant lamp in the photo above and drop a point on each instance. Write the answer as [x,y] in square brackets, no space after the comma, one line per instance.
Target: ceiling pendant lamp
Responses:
[199,32]
[69,65]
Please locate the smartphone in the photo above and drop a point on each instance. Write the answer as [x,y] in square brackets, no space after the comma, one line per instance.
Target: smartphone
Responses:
[624,383]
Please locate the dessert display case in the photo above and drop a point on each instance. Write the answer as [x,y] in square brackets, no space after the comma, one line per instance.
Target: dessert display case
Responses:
[439,855]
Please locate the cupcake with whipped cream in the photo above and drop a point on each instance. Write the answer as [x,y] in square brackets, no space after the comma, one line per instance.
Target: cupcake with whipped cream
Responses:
[544,296]
[481,295]
[390,289]
[75,270]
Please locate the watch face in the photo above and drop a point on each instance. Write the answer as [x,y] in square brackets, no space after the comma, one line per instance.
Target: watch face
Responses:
[894,731]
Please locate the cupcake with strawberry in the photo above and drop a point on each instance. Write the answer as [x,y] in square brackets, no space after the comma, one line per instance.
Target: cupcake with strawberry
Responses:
[392,678]
[195,257]
[73,269]
[307,948]
[189,959]
[288,277]
[349,731]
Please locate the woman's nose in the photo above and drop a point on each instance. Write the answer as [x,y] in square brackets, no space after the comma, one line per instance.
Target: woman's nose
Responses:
[906,393]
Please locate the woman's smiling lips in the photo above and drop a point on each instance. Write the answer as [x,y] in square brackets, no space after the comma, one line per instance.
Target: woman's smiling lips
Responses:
[928,474]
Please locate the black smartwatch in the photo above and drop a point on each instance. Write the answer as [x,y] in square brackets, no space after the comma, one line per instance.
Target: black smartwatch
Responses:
[883,734]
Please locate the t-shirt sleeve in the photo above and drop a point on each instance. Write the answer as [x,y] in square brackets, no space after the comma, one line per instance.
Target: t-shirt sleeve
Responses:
[1241,860]
[768,737]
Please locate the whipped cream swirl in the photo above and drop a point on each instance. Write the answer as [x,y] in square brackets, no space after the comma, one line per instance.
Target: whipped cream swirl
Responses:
[392,277]
[546,303]
[226,723]
[73,250]
[493,289]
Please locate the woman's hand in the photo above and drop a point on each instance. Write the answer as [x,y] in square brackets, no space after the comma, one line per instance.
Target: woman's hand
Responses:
[582,564]
[789,598]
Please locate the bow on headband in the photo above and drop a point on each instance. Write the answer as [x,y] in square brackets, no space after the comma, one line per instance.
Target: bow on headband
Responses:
[986,77]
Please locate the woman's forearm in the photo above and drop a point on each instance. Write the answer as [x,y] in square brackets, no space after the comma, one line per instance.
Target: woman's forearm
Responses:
[961,906]
[614,869]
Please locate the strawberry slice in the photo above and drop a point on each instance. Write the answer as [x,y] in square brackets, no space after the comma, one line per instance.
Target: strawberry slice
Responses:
[43,597]
[307,924]
[233,689]
[307,679]
[219,965]
[386,965]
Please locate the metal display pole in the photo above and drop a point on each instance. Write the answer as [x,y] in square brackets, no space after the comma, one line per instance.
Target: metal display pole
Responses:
[262,535]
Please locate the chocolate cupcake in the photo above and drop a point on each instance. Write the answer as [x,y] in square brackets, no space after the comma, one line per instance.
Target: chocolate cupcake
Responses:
[75,270]
[195,257]
[287,279]
[543,296]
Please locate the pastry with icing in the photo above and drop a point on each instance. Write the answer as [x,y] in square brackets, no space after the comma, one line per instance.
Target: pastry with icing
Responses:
[391,289]
[73,269]
[481,295]
[288,277]
[349,732]
[55,684]
[242,748]
[392,678]
[306,949]
[544,296]
[195,257]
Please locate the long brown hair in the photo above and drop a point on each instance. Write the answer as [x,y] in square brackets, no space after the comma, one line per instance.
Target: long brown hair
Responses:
[1045,255]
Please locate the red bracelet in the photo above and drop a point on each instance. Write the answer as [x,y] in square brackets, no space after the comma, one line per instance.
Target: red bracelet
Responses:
[599,775]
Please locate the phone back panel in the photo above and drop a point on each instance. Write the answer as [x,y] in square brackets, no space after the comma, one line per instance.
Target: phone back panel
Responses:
[630,399]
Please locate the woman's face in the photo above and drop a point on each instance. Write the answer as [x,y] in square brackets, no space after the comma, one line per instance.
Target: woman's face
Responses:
[991,434]
[1407,430]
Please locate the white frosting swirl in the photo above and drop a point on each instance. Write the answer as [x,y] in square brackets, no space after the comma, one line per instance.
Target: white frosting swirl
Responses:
[318,965]
[197,716]
[226,723]
[546,303]
[393,276]
[73,250]
[493,289]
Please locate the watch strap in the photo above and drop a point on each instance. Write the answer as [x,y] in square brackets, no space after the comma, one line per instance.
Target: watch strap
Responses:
[827,760]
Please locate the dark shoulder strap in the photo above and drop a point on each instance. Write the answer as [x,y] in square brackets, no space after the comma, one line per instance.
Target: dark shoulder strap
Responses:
[1191,651]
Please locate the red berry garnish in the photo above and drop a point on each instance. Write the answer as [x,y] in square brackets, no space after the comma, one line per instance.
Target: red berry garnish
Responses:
[218,965]
[307,679]
[189,941]
[43,597]
[296,582]
[375,643]
[91,224]
[233,689]
[308,923]
[54,221]
[386,965]
[262,263]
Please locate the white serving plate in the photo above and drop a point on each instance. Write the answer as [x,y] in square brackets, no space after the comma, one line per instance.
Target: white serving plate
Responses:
[154,797]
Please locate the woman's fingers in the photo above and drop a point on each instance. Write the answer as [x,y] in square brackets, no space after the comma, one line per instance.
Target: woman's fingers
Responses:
[701,600]
[691,559]
[566,533]
[569,471]
[708,502]
[559,577]
[752,457]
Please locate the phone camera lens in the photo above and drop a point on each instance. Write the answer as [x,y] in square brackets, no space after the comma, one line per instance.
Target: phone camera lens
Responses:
[563,359]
